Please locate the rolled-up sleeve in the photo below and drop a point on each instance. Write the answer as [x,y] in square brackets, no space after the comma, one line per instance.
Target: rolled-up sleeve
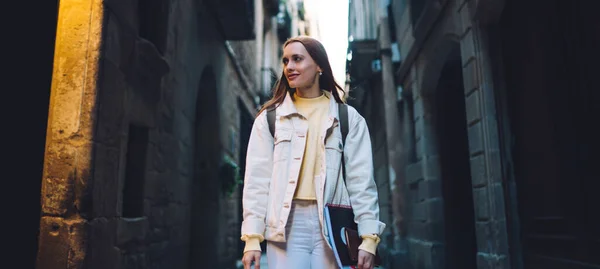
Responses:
[259,165]
[360,181]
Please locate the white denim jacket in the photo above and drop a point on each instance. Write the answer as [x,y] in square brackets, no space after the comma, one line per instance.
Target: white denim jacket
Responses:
[273,165]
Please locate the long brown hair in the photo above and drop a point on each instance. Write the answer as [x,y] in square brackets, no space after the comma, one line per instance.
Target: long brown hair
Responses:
[326,81]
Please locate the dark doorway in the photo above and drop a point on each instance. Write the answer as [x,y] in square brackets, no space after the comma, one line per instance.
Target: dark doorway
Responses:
[453,146]
[205,191]
[551,73]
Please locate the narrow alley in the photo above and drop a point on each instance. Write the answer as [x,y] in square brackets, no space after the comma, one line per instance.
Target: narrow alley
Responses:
[134,119]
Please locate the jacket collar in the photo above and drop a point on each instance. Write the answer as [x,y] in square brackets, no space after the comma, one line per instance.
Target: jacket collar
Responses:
[287,108]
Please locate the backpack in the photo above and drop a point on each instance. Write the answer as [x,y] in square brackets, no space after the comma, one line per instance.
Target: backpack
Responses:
[343,111]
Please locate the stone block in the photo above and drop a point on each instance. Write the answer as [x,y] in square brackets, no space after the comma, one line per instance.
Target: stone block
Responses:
[176,214]
[475,134]
[414,172]
[156,251]
[435,209]
[106,184]
[412,194]
[470,76]
[500,235]
[414,229]
[418,109]
[434,256]
[104,253]
[420,211]
[467,47]
[59,175]
[484,237]
[481,200]
[62,243]
[156,217]
[432,167]
[414,254]
[53,249]
[478,171]
[429,189]
[465,16]
[418,128]
[131,230]
[472,107]
[420,149]
[433,231]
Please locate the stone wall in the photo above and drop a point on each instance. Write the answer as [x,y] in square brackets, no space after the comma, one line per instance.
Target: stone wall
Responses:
[424,59]
[162,119]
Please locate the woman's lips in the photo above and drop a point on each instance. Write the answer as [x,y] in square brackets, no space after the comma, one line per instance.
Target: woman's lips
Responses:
[292,77]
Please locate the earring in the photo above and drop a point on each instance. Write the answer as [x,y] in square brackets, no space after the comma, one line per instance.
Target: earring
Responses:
[320,73]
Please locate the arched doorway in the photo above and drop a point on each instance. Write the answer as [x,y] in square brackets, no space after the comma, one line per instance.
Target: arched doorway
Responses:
[205,190]
[450,123]
[452,219]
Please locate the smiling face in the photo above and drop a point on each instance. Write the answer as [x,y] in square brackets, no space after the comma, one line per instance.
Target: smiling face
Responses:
[300,70]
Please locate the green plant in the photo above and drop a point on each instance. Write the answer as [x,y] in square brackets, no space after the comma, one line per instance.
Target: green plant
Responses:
[230,176]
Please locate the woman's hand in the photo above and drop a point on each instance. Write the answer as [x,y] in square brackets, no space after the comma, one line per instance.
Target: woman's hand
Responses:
[252,256]
[366,260]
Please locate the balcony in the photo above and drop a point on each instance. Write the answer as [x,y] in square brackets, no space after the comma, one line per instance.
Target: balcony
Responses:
[364,52]
[235,17]
[363,65]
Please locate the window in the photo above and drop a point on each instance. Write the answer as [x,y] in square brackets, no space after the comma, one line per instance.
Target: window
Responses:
[135,172]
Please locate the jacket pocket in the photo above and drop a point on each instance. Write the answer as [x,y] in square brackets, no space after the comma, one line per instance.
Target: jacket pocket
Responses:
[333,151]
[283,141]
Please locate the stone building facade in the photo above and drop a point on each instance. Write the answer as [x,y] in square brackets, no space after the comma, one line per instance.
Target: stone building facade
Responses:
[491,108]
[149,114]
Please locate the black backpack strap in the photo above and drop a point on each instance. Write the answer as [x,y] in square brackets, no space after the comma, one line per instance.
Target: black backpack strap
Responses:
[271,120]
[343,111]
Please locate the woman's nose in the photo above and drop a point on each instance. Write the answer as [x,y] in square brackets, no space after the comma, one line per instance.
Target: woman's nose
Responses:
[290,66]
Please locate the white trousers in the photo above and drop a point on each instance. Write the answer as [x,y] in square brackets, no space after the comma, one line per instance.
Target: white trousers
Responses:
[305,247]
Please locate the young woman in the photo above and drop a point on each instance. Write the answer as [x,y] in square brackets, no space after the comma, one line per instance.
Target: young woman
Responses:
[291,177]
